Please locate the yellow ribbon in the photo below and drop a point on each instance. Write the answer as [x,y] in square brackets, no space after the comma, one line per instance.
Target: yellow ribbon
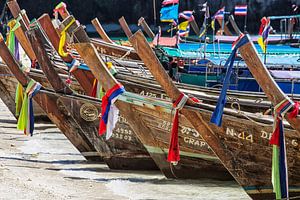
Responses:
[62,41]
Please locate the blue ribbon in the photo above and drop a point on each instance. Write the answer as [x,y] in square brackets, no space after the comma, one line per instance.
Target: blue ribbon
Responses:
[216,117]
[81,66]
[31,114]
[282,163]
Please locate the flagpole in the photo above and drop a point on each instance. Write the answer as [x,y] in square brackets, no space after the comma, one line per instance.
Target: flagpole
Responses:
[265,56]
[154,12]
[245,23]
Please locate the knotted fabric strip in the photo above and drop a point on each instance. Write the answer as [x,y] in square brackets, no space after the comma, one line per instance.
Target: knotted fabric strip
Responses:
[61,7]
[279,160]
[13,46]
[109,112]
[62,41]
[75,64]
[173,155]
[295,111]
[26,119]
[218,112]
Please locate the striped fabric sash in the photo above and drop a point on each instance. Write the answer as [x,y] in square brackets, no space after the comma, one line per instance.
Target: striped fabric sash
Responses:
[109,112]
[279,159]
[26,119]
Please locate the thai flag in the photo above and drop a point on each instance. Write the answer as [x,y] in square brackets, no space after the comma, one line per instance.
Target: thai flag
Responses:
[188,15]
[219,14]
[109,112]
[240,10]
[184,33]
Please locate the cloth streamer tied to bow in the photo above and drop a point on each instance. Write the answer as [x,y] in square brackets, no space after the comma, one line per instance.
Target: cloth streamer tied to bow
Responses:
[218,112]
[109,112]
[63,37]
[174,153]
[26,118]
[279,158]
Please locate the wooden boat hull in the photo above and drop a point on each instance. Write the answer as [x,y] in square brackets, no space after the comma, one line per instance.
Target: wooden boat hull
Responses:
[126,155]
[8,91]
[248,143]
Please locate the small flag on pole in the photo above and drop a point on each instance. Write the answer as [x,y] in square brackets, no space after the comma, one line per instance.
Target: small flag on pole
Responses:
[263,38]
[169,14]
[219,14]
[184,29]
[240,10]
[188,15]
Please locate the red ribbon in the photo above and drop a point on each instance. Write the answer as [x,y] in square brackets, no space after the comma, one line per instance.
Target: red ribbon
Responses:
[60,10]
[264,22]
[174,155]
[275,136]
[295,111]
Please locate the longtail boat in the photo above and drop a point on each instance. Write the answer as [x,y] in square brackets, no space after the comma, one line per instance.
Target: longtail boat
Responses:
[241,169]
[50,106]
[197,91]
[241,165]
[233,142]
[156,126]
[123,151]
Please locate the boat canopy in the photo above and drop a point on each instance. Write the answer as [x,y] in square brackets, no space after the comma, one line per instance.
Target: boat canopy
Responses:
[285,74]
[284,17]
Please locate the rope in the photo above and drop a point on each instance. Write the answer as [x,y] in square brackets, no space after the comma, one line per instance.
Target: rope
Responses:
[126,54]
[238,111]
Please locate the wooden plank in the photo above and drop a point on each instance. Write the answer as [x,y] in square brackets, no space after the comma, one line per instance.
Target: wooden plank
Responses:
[142,22]
[46,102]
[100,30]
[35,36]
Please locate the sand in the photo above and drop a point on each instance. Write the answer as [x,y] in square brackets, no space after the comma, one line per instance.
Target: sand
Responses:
[46,166]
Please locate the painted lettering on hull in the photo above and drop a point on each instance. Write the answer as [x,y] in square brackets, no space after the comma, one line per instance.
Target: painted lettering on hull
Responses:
[249,137]
[123,134]
[154,95]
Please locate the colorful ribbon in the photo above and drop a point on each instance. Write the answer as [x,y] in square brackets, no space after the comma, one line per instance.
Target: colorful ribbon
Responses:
[111,68]
[109,112]
[62,40]
[61,7]
[218,112]
[279,160]
[13,46]
[174,153]
[26,119]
